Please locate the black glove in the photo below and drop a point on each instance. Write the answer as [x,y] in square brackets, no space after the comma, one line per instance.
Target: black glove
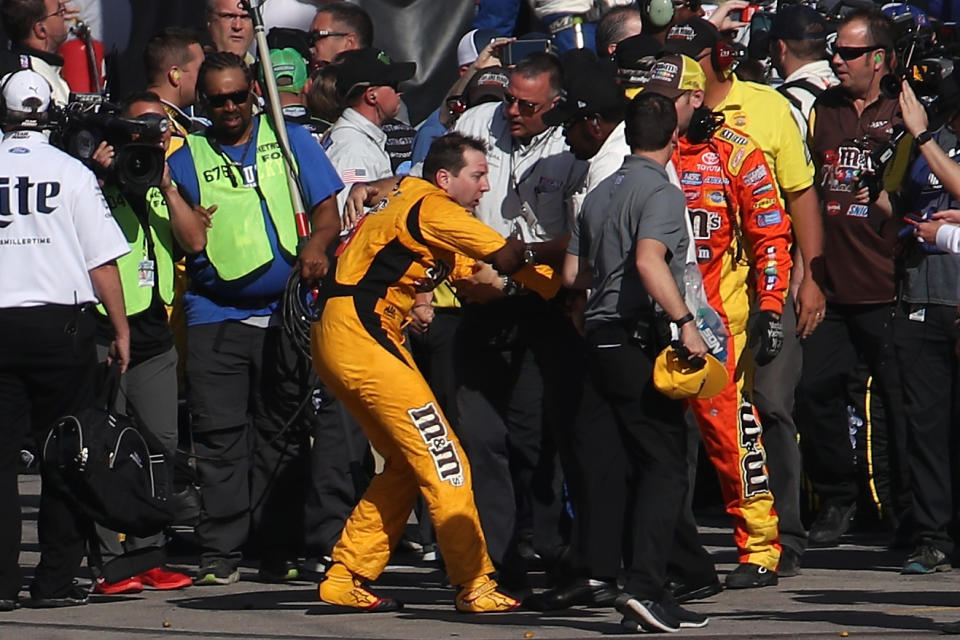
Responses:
[767,332]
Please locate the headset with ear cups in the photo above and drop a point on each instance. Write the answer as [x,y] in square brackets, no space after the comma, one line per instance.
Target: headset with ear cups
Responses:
[723,57]
[657,13]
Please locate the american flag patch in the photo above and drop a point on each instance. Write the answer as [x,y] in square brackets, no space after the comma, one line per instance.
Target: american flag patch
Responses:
[353,175]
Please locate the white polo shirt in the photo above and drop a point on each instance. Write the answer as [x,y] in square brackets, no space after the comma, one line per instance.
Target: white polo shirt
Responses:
[356,148]
[55,225]
[531,186]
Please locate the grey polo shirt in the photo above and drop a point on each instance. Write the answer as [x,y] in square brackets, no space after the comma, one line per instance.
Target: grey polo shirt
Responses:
[637,202]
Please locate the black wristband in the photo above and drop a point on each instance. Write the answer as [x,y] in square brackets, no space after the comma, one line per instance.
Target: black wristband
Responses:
[684,320]
[924,137]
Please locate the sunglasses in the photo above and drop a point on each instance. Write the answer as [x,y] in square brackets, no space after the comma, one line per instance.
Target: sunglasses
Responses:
[693,5]
[850,53]
[237,98]
[61,11]
[320,34]
[525,107]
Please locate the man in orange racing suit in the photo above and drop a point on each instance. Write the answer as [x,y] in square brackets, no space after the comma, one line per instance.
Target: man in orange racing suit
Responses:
[409,244]
[742,239]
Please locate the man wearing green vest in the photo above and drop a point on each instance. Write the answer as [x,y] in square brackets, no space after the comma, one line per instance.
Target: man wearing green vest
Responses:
[149,386]
[241,366]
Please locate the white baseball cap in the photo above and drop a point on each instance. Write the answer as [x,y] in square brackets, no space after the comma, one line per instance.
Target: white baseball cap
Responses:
[471,44]
[26,91]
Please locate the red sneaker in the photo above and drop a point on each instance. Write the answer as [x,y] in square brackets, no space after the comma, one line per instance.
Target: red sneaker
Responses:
[130,585]
[163,580]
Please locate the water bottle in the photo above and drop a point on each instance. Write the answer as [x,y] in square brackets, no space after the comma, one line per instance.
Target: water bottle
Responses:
[709,323]
[711,329]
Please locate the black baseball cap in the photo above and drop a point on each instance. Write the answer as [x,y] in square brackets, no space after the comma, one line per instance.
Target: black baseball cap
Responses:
[589,87]
[798,22]
[691,37]
[635,57]
[370,68]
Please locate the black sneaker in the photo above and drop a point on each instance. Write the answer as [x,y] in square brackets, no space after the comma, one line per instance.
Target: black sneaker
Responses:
[750,576]
[684,592]
[278,572]
[217,573]
[646,614]
[832,522]
[74,597]
[9,604]
[789,563]
[688,619]
[926,559]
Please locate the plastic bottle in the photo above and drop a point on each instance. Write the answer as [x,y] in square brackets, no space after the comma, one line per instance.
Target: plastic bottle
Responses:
[709,323]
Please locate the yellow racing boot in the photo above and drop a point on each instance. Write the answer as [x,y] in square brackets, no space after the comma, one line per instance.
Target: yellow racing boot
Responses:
[343,588]
[481,596]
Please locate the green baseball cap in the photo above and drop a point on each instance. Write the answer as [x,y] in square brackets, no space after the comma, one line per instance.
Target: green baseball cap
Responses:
[289,68]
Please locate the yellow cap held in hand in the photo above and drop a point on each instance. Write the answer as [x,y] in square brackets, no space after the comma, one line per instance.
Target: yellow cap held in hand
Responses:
[676,378]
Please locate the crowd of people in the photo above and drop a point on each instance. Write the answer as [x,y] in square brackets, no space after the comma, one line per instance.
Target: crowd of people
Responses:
[613,240]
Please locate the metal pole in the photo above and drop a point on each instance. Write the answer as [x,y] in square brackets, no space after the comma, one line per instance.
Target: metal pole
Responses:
[276,116]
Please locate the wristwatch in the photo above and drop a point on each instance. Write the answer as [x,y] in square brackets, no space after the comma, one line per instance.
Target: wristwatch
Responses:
[924,137]
[529,256]
[684,320]
[510,286]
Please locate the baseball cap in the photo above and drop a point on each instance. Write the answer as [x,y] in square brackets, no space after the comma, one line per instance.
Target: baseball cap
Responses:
[674,74]
[289,38]
[289,68]
[486,85]
[589,87]
[691,37]
[26,91]
[472,43]
[370,68]
[676,378]
[798,22]
[636,56]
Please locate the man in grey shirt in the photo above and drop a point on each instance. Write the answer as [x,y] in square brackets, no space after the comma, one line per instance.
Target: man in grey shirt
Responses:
[629,248]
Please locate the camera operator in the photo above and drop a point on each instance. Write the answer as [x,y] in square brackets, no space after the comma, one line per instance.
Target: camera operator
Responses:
[149,387]
[849,123]
[59,247]
[925,327]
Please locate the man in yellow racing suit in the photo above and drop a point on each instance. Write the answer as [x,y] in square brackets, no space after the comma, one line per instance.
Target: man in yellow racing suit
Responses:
[420,234]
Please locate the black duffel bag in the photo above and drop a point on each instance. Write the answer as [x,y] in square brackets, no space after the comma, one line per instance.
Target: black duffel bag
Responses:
[116,473]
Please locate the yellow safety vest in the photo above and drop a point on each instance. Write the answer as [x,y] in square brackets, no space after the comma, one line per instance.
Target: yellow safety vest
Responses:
[137,298]
[237,243]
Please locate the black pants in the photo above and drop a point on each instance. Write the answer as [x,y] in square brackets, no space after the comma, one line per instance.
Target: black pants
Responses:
[48,362]
[515,374]
[848,334]
[926,336]
[650,430]
[774,395]
[260,476]
[341,467]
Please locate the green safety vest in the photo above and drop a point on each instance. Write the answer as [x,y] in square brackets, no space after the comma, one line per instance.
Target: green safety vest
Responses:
[237,243]
[135,297]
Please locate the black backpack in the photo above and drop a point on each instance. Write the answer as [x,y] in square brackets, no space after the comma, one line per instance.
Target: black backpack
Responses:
[116,473]
[800,83]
